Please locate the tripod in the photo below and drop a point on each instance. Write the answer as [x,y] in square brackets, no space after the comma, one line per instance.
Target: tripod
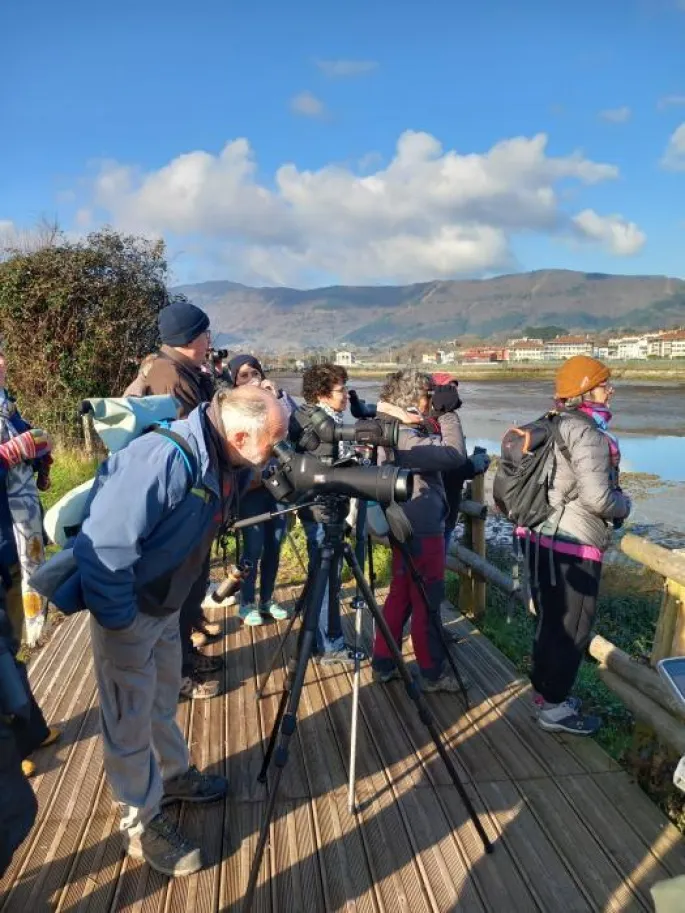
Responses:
[333,510]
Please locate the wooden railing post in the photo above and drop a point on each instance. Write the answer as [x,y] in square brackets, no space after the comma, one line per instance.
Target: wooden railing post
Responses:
[479,547]
[466,577]
[88,431]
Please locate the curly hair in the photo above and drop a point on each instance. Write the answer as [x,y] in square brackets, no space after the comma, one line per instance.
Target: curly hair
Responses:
[319,381]
[405,388]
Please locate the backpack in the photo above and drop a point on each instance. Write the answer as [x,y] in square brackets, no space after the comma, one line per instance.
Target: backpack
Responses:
[521,486]
[118,421]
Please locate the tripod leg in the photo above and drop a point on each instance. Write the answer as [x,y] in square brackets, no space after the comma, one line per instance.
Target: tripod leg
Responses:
[275,656]
[372,570]
[413,690]
[433,617]
[355,708]
[289,719]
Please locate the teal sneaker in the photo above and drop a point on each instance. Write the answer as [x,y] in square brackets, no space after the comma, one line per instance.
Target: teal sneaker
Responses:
[250,615]
[275,610]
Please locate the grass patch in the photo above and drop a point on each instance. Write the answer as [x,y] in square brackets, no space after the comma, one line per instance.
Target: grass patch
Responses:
[71,468]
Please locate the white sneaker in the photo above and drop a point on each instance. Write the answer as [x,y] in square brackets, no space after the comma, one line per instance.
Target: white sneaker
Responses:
[208,601]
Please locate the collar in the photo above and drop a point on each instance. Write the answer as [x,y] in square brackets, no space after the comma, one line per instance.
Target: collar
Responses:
[180,359]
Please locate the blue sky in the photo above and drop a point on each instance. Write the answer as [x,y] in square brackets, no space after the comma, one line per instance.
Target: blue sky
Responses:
[101,102]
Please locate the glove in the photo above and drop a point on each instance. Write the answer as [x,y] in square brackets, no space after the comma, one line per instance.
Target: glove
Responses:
[480,462]
[43,482]
[31,445]
[359,408]
[445,399]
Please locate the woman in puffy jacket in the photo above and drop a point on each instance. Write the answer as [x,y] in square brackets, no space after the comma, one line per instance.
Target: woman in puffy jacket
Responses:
[565,552]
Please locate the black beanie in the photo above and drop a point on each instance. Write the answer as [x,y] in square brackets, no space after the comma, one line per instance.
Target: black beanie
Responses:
[236,363]
[180,322]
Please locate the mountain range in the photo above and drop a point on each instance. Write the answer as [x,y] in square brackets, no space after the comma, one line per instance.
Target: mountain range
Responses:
[285,318]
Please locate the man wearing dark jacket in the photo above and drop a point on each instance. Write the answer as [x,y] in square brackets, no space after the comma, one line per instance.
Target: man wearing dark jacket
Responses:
[179,368]
[151,518]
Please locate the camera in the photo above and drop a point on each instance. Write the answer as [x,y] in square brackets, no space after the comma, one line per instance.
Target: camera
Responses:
[217,354]
[319,428]
[300,474]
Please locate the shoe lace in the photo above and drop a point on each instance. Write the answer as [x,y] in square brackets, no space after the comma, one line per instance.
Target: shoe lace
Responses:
[166,829]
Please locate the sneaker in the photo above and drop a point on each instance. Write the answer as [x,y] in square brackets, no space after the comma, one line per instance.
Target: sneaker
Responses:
[446,682]
[574,703]
[382,678]
[358,603]
[192,786]
[344,657]
[204,664]
[565,717]
[165,850]
[251,615]
[193,689]
[275,610]
[208,601]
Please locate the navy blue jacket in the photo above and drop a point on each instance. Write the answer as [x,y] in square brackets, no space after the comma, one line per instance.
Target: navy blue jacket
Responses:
[8,545]
[142,522]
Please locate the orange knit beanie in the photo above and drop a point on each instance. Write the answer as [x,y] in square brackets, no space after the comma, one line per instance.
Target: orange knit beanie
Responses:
[579,375]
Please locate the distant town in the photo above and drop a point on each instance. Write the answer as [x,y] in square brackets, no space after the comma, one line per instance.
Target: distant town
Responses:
[667,344]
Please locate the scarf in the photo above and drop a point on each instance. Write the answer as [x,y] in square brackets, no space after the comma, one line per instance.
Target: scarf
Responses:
[27,525]
[601,415]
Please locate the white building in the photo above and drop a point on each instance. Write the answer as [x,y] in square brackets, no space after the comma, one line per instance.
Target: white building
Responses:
[526,350]
[670,345]
[567,347]
[344,359]
[631,347]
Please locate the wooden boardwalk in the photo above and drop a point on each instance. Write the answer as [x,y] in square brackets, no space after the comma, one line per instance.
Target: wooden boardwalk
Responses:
[572,832]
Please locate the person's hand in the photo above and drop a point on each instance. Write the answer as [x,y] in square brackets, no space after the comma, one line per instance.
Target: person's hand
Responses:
[31,445]
[445,399]
[480,462]
[266,384]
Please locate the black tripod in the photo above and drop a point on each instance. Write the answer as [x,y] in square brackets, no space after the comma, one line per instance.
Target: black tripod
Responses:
[333,510]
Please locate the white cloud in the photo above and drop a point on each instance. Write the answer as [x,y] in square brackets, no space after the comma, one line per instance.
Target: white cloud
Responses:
[670,101]
[674,156]
[616,115]
[428,213]
[308,105]
[614,233]
[340,69]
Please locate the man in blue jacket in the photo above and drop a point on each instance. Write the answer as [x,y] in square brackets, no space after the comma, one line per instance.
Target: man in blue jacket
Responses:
[155,509]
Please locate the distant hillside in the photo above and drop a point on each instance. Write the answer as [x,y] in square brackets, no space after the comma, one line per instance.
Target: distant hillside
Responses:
[278,318]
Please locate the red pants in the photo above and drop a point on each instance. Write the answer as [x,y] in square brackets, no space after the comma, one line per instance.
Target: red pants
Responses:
[404,599]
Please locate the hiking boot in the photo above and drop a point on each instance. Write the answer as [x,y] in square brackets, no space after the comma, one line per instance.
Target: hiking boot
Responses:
[344,657]
[250,615]
[446,682]
[358,603]
[275,610]
[566,717]
[28,768]
[203,664]
[193,689]
[165,850]
[382,678]
[192,786]
[53,736]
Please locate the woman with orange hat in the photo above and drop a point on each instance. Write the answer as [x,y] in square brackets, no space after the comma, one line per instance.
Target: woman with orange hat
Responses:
[567,549]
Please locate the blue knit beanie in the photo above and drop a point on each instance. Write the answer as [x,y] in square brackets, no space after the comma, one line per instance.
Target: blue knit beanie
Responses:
[180,322]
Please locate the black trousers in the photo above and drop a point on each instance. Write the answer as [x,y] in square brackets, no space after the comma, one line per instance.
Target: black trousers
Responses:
[191,616]
[565,601]
[18,806]
[29,734]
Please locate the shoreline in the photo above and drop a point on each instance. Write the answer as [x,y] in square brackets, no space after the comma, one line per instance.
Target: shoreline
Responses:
[671,374]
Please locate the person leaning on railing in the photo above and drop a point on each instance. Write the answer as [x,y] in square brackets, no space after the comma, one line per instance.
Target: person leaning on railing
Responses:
[407,396]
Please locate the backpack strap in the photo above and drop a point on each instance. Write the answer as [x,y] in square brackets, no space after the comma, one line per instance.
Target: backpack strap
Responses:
[182,445]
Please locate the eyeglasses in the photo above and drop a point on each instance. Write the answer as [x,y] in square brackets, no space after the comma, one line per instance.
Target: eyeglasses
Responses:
[339,390]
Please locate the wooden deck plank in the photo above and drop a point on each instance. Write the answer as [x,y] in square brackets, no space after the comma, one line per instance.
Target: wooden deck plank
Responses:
[571,832]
